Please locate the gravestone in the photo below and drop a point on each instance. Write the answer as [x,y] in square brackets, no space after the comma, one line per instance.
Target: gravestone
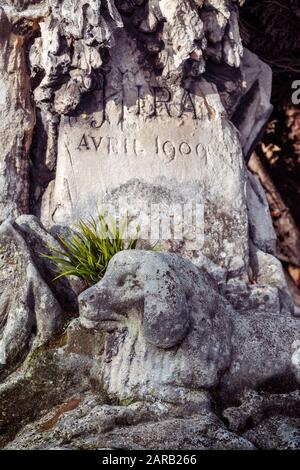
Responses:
[154,143]
[134,105]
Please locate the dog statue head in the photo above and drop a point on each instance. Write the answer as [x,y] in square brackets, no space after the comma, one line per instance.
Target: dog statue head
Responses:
[167,326]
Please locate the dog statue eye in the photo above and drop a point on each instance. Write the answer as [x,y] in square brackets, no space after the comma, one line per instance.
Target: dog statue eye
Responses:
[122,280]
[128,278]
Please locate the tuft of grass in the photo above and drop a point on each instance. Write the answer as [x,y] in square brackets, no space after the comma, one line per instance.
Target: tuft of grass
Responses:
[86,252]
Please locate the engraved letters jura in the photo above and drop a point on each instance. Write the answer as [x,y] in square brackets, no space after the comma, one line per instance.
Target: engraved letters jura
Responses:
[163,104]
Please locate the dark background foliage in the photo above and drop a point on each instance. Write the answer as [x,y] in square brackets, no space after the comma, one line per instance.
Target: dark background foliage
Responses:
[271,29]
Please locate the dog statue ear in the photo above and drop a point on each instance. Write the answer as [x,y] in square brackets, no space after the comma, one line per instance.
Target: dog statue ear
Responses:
[166,313]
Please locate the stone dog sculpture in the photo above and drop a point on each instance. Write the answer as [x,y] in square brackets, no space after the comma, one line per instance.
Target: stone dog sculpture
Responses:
[172,335]
[169,329]
[167,336]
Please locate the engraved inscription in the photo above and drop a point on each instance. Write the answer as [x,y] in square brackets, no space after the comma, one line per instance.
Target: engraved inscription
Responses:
[169,150]
[109,145]
[161,96]
[165,102]
[166,149]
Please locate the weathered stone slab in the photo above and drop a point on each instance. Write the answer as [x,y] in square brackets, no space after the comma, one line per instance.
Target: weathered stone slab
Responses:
[142,140]
[144,426]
